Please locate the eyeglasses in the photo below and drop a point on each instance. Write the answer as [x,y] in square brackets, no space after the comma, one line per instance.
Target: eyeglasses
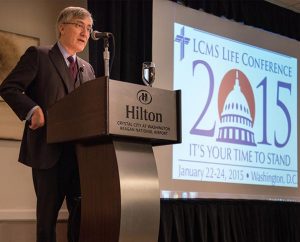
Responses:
[81,26]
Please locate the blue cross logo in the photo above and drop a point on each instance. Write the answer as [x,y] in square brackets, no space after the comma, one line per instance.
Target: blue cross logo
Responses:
[183,41]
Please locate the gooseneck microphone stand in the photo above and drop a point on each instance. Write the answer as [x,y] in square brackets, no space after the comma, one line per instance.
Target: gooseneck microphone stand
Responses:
[106,56]
[96,35]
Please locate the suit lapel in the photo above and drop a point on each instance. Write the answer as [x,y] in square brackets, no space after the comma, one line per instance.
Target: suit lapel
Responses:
[61,67]
[82,71]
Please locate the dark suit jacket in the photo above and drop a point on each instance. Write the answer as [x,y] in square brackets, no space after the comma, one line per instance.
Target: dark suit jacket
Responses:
[41,77]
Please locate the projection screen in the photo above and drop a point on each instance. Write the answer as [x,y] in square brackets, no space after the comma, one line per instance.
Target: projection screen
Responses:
[239,107]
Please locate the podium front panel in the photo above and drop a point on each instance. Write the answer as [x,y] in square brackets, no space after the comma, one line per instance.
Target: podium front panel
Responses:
[142,112]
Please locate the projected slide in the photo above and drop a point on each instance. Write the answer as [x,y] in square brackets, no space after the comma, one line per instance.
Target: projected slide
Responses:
[239,111]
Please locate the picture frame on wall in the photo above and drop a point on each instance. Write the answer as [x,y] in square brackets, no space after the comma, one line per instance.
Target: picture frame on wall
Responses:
[12,47]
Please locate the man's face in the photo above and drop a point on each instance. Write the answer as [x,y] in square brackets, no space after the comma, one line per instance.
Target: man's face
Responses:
[75,34]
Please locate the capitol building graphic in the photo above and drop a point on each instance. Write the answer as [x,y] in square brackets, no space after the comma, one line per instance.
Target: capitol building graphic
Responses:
[235,121]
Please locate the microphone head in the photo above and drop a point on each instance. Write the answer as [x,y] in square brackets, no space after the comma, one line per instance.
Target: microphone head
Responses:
[94,35]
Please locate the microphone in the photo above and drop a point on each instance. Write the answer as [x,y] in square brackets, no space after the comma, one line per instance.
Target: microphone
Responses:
[81,68]
[98,35]
[79,75]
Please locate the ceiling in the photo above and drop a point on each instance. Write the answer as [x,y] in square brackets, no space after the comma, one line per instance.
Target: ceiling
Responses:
[293,5]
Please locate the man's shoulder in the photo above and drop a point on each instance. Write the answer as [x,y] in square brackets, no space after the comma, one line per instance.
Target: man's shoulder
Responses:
[44,49]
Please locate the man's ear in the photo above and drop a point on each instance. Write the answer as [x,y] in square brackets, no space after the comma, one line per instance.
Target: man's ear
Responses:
[61,28]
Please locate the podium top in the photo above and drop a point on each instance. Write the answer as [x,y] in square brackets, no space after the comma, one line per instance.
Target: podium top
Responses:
[103,108]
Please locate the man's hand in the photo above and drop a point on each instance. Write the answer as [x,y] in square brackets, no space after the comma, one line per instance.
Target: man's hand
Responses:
[37,119]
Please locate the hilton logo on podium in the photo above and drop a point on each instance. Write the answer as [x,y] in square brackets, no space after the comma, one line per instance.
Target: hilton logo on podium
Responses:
[144,97]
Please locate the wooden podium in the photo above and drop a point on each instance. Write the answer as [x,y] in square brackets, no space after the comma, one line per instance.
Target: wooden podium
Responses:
[114,125]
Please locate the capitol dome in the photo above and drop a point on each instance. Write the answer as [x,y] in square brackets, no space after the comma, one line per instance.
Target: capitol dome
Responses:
[236,122]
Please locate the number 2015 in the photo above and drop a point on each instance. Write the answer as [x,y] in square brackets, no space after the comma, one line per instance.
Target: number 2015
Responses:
[263,84]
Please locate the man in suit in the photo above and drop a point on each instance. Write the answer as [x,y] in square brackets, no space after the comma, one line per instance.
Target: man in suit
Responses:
[42,77]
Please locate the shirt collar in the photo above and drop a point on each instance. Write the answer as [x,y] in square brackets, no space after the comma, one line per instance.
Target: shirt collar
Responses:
[65,53]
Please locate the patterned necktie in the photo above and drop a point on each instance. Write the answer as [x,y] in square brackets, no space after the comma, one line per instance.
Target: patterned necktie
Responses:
[72,67]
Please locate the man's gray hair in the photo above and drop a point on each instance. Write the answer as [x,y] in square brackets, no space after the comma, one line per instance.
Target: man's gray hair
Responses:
[70,13]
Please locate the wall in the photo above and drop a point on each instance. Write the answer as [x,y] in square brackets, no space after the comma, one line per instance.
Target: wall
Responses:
[33,18]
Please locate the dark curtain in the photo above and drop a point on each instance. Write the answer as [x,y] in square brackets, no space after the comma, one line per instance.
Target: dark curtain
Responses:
[206,220]
[257,13]
[131,23]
